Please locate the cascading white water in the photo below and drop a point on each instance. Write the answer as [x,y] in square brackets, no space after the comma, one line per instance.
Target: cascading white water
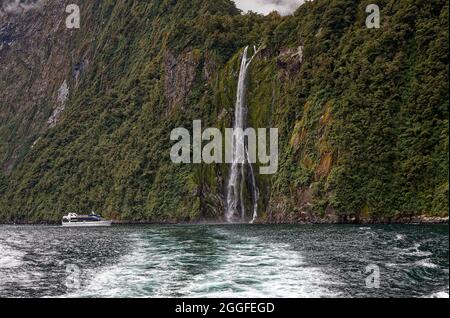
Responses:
[235,189]
[255,192]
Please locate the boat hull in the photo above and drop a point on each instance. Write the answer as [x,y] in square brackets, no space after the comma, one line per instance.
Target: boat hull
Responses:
[87,224]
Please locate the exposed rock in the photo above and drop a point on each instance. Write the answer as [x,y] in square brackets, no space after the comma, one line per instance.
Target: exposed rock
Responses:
[63,95]
[12,7]
[35,142]
[35,58]
[79,69]
[291,55]
[422,219]
[289,61]
[7,37]
[209,68]
[180,75]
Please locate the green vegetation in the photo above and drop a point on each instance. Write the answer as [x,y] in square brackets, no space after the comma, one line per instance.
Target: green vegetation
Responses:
[362,113]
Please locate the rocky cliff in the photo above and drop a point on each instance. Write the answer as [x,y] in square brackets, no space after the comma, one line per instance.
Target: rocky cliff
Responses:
[86,114]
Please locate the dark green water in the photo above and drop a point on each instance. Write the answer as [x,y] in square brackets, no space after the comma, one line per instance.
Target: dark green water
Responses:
[224,261]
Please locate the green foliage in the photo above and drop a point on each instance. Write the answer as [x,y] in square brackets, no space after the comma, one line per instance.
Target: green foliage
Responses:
[363,117]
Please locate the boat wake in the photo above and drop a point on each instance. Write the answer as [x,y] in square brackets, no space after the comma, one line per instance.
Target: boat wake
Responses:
[160,267]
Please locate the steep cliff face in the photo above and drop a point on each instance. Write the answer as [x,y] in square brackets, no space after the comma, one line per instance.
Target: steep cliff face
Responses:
[35,63]
[86,114]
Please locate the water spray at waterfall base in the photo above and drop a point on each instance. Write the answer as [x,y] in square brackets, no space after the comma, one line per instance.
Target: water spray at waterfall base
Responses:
[236,183]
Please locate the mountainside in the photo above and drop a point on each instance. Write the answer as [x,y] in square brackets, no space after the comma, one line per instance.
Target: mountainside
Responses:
[86,114]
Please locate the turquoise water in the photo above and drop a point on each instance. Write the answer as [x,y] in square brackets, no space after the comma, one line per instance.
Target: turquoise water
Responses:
[224,261]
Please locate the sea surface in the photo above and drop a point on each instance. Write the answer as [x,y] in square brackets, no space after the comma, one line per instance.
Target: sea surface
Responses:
[225,261]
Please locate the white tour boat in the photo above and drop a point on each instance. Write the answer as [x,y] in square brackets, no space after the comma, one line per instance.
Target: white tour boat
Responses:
[75,220]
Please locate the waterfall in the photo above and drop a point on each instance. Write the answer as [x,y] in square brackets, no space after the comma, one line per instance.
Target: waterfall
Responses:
[236,182]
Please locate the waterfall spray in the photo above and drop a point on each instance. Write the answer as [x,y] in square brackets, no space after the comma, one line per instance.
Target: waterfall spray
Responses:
[236,182]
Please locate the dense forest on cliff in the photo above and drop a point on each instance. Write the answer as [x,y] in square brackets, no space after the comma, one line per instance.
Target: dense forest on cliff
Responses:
[86,114]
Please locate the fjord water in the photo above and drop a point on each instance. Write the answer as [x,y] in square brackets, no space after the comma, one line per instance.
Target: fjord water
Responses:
[224,261]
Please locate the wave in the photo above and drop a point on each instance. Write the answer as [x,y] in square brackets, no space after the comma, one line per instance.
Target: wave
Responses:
[10,257]
[426,263]
[160,267]
[415,251]
[441,294]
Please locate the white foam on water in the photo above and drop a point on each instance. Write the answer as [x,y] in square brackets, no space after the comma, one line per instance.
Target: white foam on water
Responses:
[10,257]
[441,294]
[146,272]
[11,261]
[422,263]
[426,263]
[261,270]
[415,251]
[162,267]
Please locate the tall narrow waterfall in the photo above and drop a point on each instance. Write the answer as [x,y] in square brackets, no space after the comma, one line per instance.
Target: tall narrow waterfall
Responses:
[236,182]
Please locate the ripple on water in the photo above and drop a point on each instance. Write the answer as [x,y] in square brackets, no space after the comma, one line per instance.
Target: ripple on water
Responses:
[242,268]
[224,261]
[426,263]
[10,257]
[442,294]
